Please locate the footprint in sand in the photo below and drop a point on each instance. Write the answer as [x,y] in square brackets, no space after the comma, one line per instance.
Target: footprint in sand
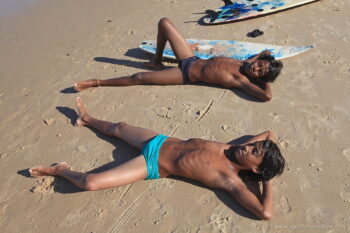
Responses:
[285,206]
[315,215]
[309,185]
[131,32]
[73,218]
[218,221]
[49,122]
[226,128]
[345,193]
[346,153]
[82,149]
[284,144]
[275,117]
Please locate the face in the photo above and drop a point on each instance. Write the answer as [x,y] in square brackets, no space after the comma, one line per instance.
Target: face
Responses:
[257,69]
[250,155]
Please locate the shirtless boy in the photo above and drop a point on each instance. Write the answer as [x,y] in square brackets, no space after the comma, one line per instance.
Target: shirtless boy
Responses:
[212,163]
[251,75]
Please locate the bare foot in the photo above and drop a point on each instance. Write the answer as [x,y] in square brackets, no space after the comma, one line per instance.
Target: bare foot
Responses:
[48,170]
[154,65]
[81,121]
[80,86]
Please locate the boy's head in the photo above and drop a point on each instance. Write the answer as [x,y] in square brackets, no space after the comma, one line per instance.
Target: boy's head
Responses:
[264,69]
[273,162]
[262,158]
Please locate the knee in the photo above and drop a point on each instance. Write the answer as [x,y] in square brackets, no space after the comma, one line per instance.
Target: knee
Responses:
[115,128]
[137,78]
[164,22]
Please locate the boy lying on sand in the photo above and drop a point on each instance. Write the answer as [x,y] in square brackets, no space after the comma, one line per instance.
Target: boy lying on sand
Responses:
[251,75]
[212,163]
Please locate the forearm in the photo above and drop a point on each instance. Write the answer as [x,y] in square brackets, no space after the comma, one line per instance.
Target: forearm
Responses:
[253,58]
[267,92]
[267,199]
[271,136]
[258,55]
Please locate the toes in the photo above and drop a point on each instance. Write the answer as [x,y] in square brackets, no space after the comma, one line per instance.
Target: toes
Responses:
[79,122]
[79,102]
[33,173]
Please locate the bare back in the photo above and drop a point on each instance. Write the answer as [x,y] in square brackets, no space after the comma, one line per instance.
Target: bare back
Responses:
[196,159]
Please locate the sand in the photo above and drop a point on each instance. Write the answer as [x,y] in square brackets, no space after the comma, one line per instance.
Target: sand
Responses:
[52,44]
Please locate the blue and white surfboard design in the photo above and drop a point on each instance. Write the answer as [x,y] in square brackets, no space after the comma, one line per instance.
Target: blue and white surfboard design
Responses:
[243,9]
[206,49]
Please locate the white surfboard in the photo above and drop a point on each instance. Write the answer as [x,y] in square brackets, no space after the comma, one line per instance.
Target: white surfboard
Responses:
[206,49]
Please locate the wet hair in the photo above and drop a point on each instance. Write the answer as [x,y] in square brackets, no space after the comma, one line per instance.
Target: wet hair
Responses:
[272,164]
[274,68]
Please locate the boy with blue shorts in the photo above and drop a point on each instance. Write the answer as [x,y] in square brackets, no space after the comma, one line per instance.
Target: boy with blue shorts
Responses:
[212,163]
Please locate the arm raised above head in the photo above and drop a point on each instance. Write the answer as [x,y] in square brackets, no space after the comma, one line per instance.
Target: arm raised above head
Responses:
[262,209]
[267,135]
[264,93]
[265,52]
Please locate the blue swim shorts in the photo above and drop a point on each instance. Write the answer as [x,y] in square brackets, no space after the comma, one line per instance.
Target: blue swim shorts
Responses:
[151,153]
[184,66]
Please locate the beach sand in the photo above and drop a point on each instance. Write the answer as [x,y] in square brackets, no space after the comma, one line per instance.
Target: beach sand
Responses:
[52,44]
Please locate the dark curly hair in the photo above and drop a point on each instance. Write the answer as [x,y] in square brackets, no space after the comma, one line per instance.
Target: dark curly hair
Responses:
[274,68]
[272,164]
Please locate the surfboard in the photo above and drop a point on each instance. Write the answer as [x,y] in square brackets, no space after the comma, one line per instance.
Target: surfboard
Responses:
[206,49]
[244,9]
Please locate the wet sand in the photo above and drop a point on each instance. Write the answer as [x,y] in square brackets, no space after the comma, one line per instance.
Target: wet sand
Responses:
[51,45]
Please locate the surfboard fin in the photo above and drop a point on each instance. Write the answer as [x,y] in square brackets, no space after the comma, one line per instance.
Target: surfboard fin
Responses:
[228,2]
[213,15]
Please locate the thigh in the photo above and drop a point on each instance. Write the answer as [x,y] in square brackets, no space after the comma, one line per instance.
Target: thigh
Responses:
[171,76]
[179,45]
[135,136]
[127,173]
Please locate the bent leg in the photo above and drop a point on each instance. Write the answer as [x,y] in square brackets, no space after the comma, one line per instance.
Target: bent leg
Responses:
[135,136]
[127,173]
[168,32]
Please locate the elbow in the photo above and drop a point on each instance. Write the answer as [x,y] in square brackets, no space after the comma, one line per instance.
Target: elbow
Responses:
[266,216]
[267,97]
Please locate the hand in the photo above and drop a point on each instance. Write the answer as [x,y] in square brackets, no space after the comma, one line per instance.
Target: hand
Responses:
[267,52]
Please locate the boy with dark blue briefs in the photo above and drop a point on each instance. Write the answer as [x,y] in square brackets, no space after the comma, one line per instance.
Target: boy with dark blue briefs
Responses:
[212,163]
[251,75]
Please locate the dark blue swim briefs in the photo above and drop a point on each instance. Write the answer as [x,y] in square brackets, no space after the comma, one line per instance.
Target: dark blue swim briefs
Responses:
[184,66]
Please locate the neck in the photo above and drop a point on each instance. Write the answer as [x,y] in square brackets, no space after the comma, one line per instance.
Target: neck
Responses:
[230,155]
[242,68]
